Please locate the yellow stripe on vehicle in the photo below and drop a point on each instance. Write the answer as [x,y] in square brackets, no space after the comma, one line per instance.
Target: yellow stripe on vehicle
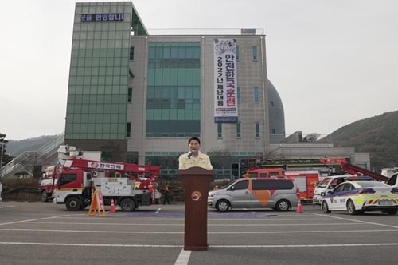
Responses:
[69,189]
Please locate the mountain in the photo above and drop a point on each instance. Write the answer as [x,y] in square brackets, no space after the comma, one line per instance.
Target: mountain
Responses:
[17,147]
[376,135]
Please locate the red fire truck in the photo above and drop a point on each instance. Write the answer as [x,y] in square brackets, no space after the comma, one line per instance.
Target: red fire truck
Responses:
[305,180]
[74,182]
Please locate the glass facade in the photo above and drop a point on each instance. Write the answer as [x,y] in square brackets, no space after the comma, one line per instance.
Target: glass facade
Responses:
[99,74]
[173,107]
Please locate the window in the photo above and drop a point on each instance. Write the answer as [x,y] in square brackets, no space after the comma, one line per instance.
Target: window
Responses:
[392,180]
[254,52]
[131,53]
[238,95]
[238,129]
[128,129]
[257,129]
[272,184]
[347,187]
[67,178]
[273,131]
[129,94]
[106,156]
[340,188]
[272,104]
[219,130]
[237,52]
[241,185]
[256,95]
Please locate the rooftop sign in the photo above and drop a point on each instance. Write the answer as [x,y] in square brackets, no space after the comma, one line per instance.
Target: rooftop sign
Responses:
[101,17]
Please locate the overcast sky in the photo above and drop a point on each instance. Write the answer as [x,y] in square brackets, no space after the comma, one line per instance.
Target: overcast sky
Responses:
[332,61]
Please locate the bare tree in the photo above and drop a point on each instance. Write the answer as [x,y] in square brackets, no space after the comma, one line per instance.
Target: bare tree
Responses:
[221,158]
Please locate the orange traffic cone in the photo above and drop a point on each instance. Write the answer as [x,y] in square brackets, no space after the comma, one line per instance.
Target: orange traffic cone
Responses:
[113,208]
[299,207]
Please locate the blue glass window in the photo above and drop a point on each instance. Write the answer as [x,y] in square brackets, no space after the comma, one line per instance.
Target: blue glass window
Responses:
[238,130]
[254,52]
[256,95]
[257,129]
[219,130]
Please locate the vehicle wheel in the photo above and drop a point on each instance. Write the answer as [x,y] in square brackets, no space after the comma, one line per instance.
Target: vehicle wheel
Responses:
[128,205]
[282,205]
[223,205]
[325,207]
[44,196]
[73,204]
[351,208]
[391,212]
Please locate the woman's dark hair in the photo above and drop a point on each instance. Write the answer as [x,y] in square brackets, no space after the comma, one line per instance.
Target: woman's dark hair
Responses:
[193,139]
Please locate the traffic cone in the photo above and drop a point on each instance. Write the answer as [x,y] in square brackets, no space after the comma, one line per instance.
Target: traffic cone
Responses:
[113,208]
[299,207]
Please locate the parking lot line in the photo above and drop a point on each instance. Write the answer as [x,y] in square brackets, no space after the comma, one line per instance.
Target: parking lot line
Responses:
[356,221]
[210,246]
[181,232]
[183,258]
[21,221]
[304,246]
[209,225]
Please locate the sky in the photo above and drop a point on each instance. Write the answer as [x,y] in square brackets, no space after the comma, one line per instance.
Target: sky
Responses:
[333,62]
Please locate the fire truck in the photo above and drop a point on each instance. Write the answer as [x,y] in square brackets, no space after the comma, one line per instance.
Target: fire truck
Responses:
[130,185]
[305,179]
[47,182]
[348,168]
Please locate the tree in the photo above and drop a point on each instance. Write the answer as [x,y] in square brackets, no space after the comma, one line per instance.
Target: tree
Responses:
[4,157]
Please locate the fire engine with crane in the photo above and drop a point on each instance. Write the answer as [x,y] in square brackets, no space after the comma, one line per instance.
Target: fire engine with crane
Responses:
[49,175]
[78,178]
[307,180]
[78,163]
[351,169]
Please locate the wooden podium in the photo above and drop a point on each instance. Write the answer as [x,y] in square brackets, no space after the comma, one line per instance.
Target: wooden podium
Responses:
[196,182]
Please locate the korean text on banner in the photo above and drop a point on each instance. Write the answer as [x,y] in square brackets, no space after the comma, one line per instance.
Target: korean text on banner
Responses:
[225,101]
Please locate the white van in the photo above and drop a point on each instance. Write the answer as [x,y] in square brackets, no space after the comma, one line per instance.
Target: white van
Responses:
[330,182]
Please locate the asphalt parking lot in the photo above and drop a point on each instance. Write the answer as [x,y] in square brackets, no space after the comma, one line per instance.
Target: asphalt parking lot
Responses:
[44,233]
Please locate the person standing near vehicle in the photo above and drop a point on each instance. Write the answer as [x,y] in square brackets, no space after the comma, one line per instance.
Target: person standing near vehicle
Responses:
[166,195]
[194,158]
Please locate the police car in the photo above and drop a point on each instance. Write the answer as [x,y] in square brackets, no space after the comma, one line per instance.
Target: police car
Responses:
[360,196]
[330,182]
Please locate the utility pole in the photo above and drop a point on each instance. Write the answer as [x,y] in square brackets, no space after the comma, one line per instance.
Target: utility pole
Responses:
[3,141]
[1,156]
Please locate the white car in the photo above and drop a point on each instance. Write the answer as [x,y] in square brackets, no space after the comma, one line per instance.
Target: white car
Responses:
[330,182]
[360,196]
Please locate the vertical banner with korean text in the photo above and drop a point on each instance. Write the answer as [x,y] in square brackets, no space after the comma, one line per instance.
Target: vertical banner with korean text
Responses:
[225,86]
